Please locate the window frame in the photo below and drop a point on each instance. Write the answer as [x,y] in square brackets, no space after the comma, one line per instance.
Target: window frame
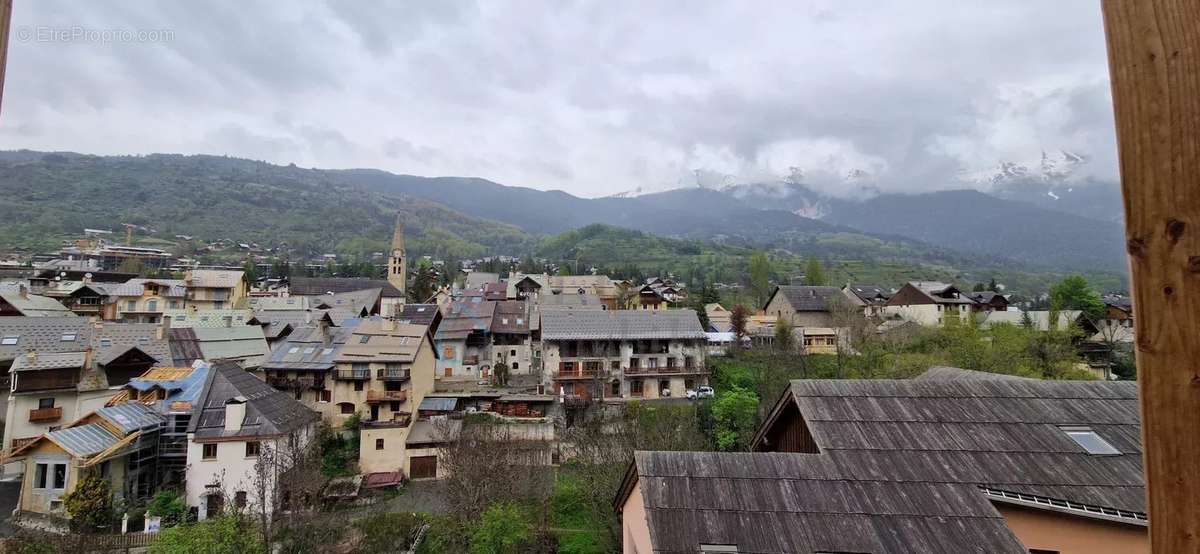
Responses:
[205,449]
[253,449]
[1089,440]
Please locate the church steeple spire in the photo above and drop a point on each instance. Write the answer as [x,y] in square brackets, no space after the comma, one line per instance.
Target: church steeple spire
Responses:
[398,235]
[397,261]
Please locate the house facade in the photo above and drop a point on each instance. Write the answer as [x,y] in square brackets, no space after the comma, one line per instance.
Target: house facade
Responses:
[237,418]
[802,305]
[145,300]
[62,368]
[929,303]
[596,354]
[215,289]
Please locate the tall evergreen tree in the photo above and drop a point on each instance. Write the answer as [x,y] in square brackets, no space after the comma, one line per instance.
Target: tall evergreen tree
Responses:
[814,272]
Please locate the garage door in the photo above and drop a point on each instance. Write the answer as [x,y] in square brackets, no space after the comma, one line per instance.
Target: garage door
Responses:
[424,467]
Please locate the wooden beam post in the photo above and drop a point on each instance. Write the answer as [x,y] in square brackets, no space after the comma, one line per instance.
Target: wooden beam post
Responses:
[1154,61]
[5,23]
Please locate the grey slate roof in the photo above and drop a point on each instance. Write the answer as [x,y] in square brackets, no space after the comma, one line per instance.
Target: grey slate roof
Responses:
[805,298]
[268,412]
[108,340]
[309,348]
[33,305]
[311,286]
[472,315]
[870,293]
[438,404]
[808,503]
[50,360]
[243,343]
[621,325]
[419,314]
[1000,433]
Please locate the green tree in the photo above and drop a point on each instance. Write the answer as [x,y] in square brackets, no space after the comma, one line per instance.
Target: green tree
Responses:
[503,528]
[760,276]
[992,286]
[501,370]
[1074,293]
[814,272]
[977,288]
[168,505]
[785,341]
[425,278]
[735,413]
[1026,320]
[224,534]
[251,271]
[90,503]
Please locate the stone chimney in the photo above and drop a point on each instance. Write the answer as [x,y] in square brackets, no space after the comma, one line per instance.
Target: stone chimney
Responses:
[23,291]
[388,324]
[31,357]
[235,413]
[87,358]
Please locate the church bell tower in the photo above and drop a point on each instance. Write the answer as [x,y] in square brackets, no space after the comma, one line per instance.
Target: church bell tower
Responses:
[397,263]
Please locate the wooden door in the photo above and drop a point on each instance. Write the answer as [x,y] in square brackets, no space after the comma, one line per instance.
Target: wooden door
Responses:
[215,503]
[424,467]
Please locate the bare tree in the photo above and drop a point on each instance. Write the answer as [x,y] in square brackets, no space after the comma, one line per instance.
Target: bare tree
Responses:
[286,476]
[484,463]
[848,323]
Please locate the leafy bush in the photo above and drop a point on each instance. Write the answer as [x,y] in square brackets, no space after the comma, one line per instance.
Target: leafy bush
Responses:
[503,528]
[90,503]
[225,534]
[736,414]
[170,506]
[444,536]
[311,534]
[387,532]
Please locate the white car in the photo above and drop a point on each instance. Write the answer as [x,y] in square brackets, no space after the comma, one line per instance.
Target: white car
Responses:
[702,392]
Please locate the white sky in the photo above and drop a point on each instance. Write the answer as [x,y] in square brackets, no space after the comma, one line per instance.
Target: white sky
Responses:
[593,98]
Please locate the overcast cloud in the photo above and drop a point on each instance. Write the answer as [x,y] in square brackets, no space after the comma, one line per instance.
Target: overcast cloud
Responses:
[593,98]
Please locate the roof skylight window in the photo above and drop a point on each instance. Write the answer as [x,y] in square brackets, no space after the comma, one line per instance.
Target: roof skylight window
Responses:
[1090,441]
[68,337]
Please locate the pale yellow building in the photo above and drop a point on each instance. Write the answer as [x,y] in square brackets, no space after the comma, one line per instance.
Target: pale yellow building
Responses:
[215,289]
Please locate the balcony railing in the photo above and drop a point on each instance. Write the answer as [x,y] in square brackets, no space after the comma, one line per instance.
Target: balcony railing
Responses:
[392,374]
[27,383]
[352,374]
[400,419]
[571,370]
[296,383]
[45,415]
[387,395]
[19,442]
[470,360]
[661,370]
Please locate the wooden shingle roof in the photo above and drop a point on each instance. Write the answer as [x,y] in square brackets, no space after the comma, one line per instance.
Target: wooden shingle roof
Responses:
[807,503]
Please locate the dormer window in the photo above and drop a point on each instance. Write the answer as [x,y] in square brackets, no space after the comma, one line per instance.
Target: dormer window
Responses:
[364,339]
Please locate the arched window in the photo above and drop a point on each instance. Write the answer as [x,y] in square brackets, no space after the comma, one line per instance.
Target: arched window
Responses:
[346,407]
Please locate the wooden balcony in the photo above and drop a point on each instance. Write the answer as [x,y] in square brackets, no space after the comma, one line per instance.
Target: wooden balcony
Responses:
[392,374]
[401,419]
[666,370]
[306,382]
[387,396]
[573,370]
[45,415]
[19,442]
[352,374]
